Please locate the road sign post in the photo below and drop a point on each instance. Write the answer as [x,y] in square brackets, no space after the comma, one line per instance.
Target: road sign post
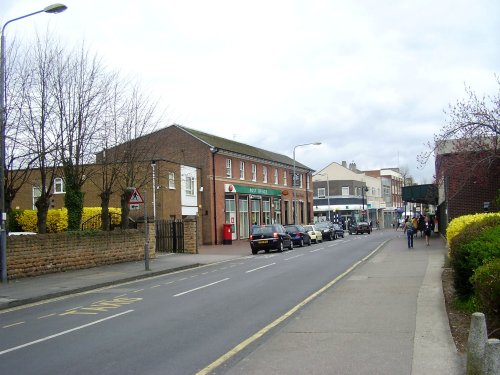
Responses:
[136,199]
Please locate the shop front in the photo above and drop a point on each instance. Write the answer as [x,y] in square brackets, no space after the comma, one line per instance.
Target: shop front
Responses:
[248,205]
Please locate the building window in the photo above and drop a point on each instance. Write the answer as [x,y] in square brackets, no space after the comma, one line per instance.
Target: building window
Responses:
[284,177]
[264,174]
[301,181]
[307,182]
[190,185]
[37,193]
[254,172]
[321,192]
[276,176]
[229,172]
[345,190]
[171,180]
[58,185]
[242,170]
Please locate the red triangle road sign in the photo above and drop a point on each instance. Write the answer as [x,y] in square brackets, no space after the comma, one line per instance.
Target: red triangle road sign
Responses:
[135,197]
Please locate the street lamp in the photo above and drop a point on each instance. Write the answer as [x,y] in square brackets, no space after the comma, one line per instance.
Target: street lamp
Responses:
[327,191]
[363,190]
[153,167]
[294,180]
[54,8]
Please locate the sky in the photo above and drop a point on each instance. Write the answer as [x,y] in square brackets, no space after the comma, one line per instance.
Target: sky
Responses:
[369,79]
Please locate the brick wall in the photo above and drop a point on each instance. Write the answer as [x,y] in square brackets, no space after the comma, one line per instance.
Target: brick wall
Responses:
[58,252]
[190,235]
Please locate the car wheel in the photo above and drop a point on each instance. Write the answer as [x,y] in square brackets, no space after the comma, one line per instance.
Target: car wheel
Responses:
[254,251]
[301,242]
[290,247]
[267,251]
[280,246]
[309,243]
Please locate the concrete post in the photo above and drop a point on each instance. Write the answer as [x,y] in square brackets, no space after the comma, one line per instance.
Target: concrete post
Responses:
[476,343]
[492,357]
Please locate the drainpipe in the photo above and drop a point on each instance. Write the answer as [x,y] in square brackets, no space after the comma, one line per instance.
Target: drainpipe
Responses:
[214,150]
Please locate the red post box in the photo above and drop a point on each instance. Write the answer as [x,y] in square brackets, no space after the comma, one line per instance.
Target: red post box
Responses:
[228,234]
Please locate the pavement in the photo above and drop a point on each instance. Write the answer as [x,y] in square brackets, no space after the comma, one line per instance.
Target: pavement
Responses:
[386,316]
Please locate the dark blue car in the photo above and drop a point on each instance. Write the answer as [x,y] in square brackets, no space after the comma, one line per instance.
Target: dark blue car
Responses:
[298,234]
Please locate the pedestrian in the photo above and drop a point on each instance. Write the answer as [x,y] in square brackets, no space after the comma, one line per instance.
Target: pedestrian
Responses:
[409,233]
[427,230]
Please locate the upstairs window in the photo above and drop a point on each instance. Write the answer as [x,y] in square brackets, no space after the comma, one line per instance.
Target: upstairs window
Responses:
[171,180]
[242,170]
[276,176]
[264,174]
[229,172]
[58,186]
[321,192]
[254,172]
[190,185]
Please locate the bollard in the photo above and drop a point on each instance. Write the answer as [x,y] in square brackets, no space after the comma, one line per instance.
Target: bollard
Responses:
[491,365]
[476,343]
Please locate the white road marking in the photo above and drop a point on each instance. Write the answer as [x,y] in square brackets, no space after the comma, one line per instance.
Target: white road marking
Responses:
[201,287]
[259,268]
[62,333]
[296,256]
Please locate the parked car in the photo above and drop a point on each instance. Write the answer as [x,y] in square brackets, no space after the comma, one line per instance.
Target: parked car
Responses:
[315,234]
[326,229]
[361,227]
[269,237]
[299,234]
[338,231]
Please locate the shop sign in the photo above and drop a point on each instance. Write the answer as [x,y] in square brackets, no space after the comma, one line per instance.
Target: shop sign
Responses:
[229,188]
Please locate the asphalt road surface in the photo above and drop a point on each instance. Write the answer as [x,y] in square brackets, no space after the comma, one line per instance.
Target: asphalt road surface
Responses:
[177,323]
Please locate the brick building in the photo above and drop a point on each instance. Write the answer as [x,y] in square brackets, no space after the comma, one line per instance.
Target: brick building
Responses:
[238,184]
[461,191]
[186,172]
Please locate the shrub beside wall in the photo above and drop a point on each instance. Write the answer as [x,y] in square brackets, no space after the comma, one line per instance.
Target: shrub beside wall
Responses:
[34,255]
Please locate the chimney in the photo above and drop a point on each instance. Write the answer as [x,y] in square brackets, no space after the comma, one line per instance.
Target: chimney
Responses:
[344,163]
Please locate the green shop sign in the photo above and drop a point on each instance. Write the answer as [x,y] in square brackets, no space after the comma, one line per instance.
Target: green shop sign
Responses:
[252,190]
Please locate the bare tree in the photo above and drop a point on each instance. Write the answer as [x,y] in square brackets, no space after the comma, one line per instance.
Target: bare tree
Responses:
[471,135]
[127,149]
[79,87]
[39,121]
[18,157]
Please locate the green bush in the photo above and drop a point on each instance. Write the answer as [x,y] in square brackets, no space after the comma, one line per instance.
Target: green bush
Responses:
[486,281]
[475,244]
[461,222]
[12,221]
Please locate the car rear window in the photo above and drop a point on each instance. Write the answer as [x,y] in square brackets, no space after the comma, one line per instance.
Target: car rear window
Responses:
[262,230]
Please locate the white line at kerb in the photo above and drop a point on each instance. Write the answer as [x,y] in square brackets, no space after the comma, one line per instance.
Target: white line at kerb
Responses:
[62,333]
[259,268]
[201,287]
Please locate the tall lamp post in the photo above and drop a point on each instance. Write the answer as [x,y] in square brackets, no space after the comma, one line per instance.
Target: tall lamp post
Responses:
[327,191]
[54,8]
[363,191]
[294,180]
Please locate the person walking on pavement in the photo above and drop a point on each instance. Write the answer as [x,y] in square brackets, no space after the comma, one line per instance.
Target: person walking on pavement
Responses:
[409,233]
[427,230]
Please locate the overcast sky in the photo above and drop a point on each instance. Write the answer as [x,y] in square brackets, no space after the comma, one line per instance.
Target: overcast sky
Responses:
[370,79]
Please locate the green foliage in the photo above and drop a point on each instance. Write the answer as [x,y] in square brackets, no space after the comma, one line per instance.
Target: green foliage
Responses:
[73,201]
[12,220]
[57,220]
[471,247]
[486,281]
[468,305]
[459,223]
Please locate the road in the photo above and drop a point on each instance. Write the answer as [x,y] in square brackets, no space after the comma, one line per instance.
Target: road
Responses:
[175,323]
